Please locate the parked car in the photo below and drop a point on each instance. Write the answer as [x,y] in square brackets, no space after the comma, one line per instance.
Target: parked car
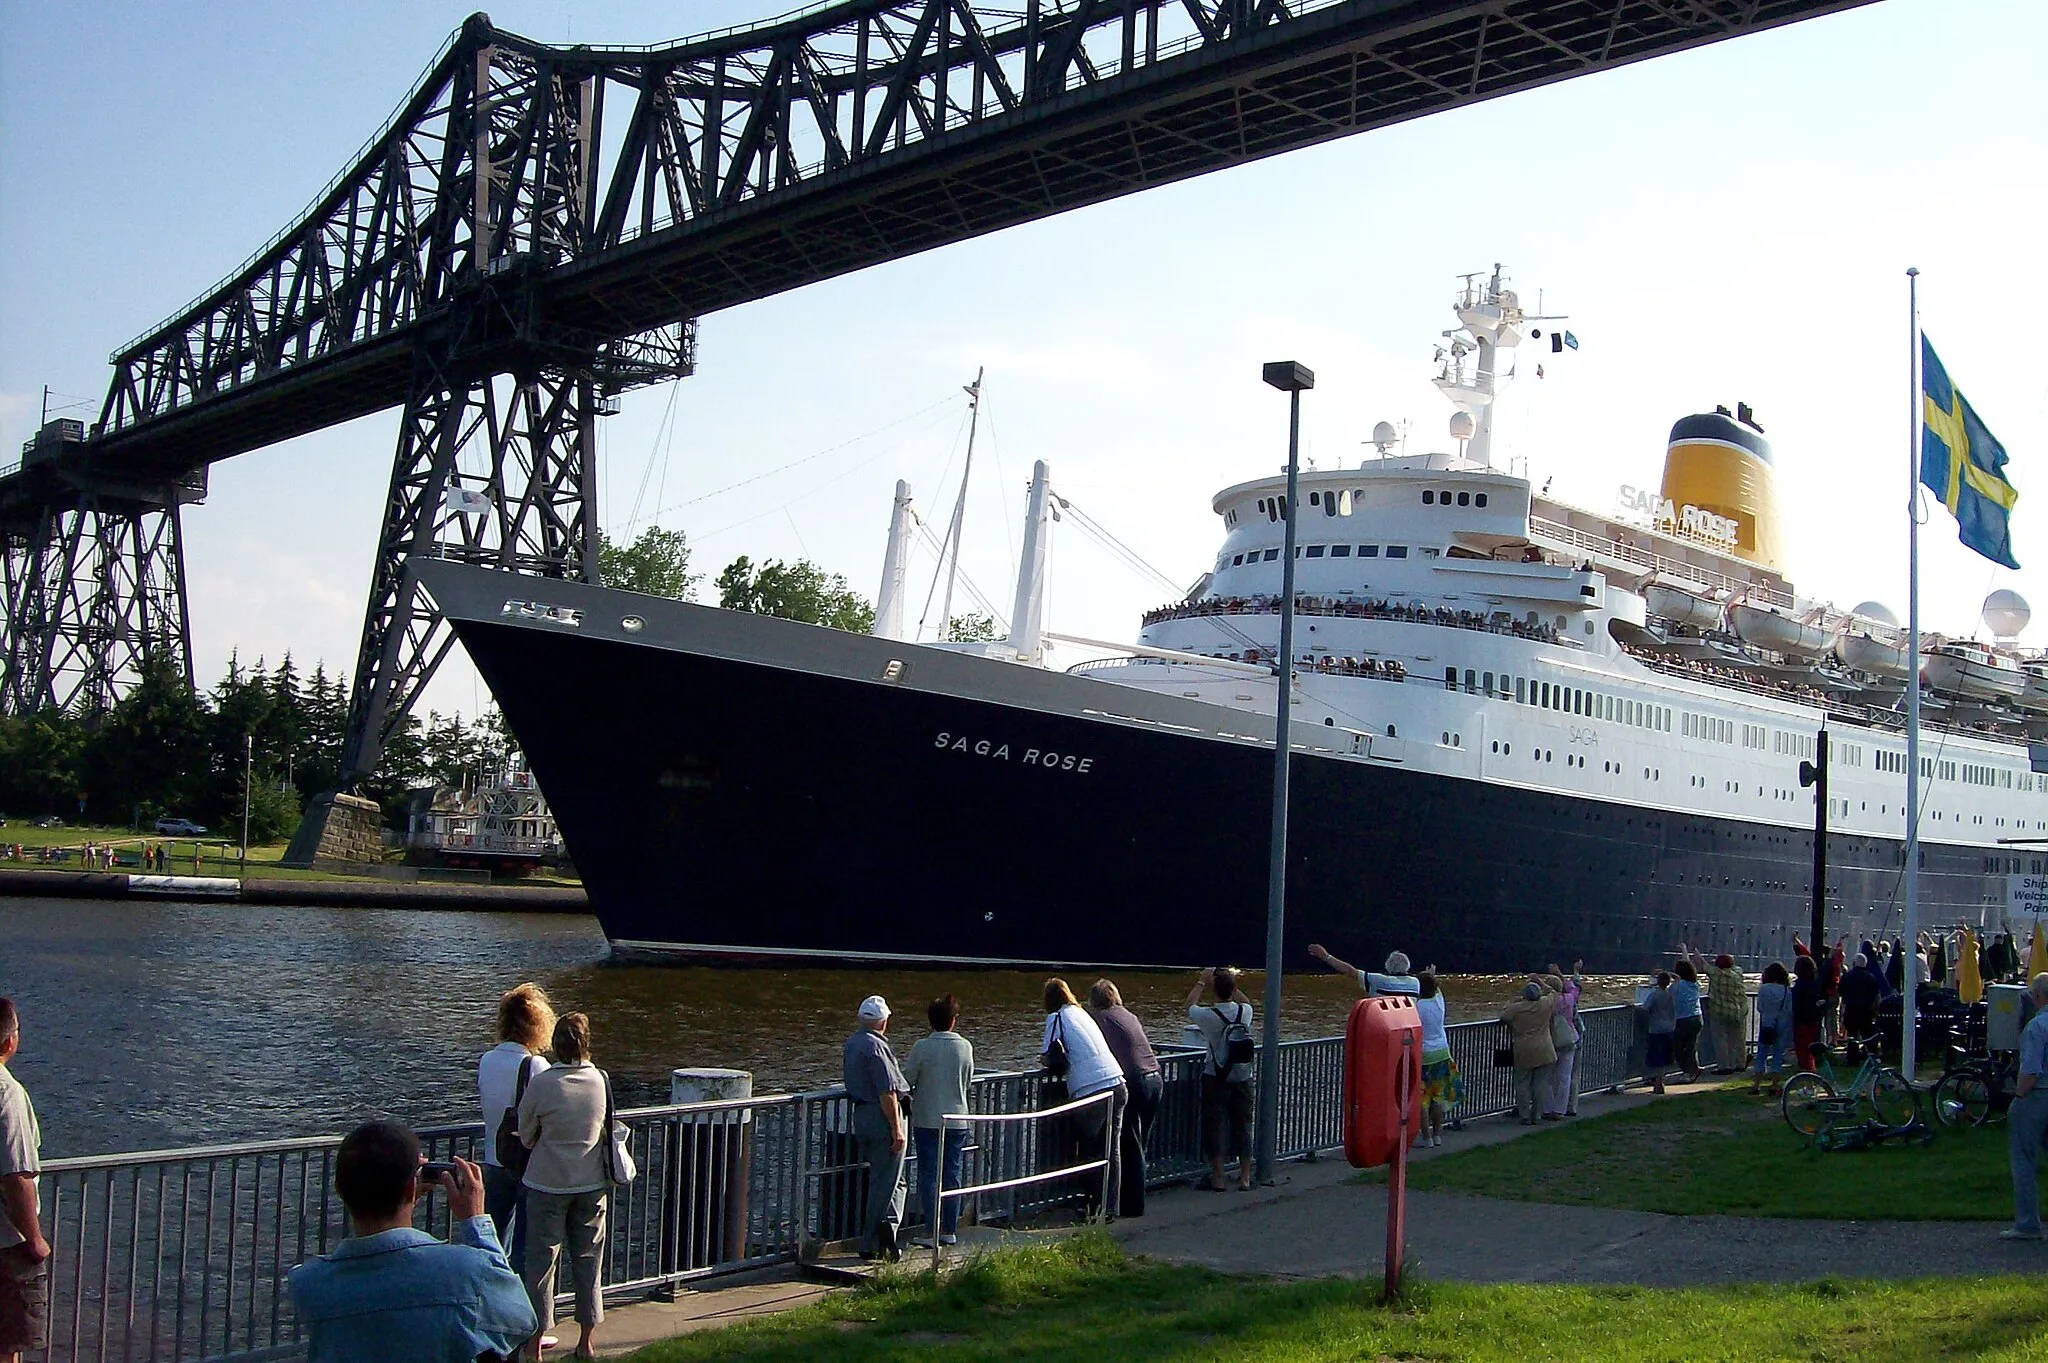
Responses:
[49,821]
[180,827]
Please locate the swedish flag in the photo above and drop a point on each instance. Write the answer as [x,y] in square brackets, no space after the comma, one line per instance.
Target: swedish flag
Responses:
[1963,464]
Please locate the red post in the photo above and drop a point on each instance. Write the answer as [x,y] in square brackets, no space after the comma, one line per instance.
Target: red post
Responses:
[1397,1177]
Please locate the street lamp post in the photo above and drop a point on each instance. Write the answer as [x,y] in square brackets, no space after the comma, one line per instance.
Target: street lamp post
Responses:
[1292,378]
[1815,774]
[248,763]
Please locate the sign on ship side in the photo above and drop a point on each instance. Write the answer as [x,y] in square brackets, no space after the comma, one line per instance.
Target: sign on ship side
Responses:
[1000,751]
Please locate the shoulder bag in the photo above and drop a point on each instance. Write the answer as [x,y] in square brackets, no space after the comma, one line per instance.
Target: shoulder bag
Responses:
[1056,1062]
[619,1168]
[505,1144]
[1563,1036]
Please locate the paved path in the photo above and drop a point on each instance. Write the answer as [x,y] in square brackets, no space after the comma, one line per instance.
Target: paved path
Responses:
[1317,1223]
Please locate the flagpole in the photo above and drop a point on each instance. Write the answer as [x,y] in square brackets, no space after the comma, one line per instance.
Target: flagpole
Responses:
[1909,1012]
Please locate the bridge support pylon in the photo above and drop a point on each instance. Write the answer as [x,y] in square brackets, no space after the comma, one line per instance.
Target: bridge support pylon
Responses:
[94,575]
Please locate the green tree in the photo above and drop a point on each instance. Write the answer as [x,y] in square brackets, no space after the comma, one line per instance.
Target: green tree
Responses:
[794,591]
[151,750]
[979,628]
[657,564]
[41,761]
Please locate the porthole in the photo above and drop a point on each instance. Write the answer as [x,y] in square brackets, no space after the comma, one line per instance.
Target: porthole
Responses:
[1464,499]
[1428,497]
[1479,499]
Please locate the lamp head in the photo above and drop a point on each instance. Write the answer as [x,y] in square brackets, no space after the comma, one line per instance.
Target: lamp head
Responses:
[1290,376]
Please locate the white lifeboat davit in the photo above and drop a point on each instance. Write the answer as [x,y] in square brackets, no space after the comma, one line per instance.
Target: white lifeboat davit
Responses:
[1867,651]
[1775,630]
[1974,671]
[1681,606]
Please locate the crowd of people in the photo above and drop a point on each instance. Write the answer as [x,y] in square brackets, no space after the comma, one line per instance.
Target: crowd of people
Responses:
[1360,608]
[96,856]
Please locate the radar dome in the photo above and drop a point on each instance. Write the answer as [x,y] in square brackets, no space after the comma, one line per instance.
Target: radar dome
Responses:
[1384,434]
[2006,613]
[1462,426]
[1876,610]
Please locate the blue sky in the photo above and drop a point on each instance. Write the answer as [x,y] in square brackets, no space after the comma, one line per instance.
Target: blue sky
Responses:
[1731,223]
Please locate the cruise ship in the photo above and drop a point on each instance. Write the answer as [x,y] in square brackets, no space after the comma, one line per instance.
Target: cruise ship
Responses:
[1524,731]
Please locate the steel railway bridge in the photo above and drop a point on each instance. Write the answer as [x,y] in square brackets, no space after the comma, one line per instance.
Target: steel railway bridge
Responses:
[537,229]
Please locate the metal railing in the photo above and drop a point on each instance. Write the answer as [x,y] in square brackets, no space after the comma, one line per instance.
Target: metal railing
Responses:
[1659,563]
[184,1254]
[940,1192]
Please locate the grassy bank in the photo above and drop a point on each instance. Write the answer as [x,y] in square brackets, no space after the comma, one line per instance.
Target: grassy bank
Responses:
[1080,1299]
[1729,1153]
[216,854]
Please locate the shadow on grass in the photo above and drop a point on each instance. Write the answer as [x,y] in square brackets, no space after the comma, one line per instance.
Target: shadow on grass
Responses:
[1080,1298]
[1728,1153]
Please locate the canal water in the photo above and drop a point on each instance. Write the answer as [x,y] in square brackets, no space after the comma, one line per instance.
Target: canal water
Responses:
[154,1025]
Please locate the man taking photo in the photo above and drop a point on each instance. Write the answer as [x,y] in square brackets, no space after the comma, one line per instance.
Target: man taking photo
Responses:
[390,1291]
[24,1253]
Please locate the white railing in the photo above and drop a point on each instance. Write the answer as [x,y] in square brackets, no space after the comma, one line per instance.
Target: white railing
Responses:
[1657,563]
[940,1192]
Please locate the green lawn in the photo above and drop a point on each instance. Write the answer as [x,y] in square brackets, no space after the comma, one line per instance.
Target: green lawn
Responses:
[1727,1152]
[263,858]
[1079,1299]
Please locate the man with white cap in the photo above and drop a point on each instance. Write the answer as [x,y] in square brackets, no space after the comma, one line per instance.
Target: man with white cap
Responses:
[878,1091]
[1399,978]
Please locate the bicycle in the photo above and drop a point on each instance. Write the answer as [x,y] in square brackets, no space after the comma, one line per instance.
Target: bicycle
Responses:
[1976,1090]
[1876,1103]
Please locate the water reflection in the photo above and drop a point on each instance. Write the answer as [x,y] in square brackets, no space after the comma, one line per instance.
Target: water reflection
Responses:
[151,1025]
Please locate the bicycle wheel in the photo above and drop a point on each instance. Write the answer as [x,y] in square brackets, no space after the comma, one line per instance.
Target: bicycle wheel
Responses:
[1891,1100]
[1802,1103]
[1962,1099]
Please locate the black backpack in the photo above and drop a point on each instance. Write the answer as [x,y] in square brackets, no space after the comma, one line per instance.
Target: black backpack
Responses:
[1239,1048]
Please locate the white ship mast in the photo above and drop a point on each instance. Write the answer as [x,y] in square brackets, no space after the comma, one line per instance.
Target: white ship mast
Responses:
[895,565]
[973,391]
[1492,320]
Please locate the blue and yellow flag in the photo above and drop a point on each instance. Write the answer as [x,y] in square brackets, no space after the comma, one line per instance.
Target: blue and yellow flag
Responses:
[1963,464]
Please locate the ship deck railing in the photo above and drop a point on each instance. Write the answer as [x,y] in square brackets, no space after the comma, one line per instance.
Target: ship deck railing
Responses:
[1360,608]
[1669,568]
[183,1254]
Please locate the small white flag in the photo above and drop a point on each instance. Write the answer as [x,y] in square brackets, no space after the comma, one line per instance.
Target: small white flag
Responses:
[464,502]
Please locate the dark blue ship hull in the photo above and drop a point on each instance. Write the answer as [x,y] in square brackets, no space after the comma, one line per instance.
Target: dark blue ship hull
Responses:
[725,807]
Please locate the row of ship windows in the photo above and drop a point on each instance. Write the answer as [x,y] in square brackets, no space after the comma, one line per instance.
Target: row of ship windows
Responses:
[1325,551]
[1571,700]
[1341,502]
[1835,807]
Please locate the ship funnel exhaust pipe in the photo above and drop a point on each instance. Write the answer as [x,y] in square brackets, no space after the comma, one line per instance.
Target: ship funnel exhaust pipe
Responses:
[1720,488]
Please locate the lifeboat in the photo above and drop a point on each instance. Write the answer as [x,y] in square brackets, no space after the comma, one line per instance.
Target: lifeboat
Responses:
[1777,631]
[1867,651]
[1682,607]
[1973,671]
[2035,696]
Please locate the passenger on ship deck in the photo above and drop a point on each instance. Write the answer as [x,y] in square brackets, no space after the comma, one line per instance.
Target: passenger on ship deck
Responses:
[1398,978]
[878,1091]
[390,1291]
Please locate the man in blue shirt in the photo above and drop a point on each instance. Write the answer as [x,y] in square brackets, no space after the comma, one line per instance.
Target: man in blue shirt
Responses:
[391,1291]
[2027,1124]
